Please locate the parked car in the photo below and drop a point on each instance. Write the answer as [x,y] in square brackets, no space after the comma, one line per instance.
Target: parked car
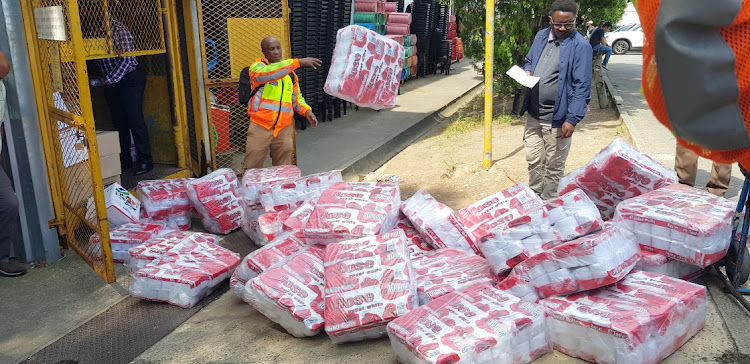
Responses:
[625,38]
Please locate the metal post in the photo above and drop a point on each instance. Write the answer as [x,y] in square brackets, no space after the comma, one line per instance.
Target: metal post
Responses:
[489,48]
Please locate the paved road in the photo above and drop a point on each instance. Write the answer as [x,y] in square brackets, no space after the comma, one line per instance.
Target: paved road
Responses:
[650,136]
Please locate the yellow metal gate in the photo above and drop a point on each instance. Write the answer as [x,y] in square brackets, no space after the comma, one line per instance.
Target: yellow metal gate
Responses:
[62,35]
[232,31]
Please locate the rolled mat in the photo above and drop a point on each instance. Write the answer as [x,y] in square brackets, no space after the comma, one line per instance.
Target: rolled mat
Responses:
[366,6]
[399,18]
[369,18]
[390,7]
[413,39]
[372,27]
[400,29]
[396,38]
[413,71]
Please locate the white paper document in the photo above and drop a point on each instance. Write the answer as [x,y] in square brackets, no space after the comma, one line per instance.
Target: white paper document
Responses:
[518,74]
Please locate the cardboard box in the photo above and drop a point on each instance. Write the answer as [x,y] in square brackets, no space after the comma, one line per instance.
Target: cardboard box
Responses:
[122,207]
[110,180]
[108,143]
[110,165]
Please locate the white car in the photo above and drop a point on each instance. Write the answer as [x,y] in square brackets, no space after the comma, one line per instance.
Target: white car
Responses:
[625,38]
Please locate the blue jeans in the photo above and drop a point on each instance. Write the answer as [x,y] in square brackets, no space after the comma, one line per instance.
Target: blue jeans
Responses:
[607,53]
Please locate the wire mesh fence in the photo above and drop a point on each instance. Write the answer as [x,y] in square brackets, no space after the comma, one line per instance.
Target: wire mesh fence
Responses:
[104,21]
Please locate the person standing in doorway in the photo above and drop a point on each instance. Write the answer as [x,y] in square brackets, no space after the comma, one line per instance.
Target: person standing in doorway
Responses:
[8,199]
[124,85]
[561,58]
[276,97]
[599,42]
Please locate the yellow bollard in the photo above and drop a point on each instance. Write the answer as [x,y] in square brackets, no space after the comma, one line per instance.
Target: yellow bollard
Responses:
[489,48]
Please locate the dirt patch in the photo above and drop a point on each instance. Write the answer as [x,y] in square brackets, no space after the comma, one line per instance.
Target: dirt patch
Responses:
[447,162]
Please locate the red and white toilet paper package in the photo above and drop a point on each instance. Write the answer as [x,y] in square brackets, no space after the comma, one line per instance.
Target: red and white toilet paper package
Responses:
[444,271]
[216,198]
[437,223]
[352,210]
[263,259]
[292,294]
[586,263]
[559,220]
[130,235]
[662,264]
[293,193]
[617,173]
[416,244]
[271,224]
[486,215]
[142,255]
[368,283]
[177,221]
[164,199]
[185,274]
[250,224]
[642,319]
[255,179]
[298,219]
[478,324]
[681,222]
[365,69]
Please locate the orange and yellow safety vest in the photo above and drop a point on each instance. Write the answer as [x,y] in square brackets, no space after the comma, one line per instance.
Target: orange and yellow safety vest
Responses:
[278,97]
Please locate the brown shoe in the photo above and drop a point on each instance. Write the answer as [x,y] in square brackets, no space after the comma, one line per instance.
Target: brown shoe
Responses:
[12,269]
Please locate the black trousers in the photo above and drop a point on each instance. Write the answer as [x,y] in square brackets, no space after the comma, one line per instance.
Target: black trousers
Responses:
[125,100]
[8,215]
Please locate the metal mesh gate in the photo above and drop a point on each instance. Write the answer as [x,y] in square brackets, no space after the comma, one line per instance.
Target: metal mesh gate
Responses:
[65,35]
[232,31]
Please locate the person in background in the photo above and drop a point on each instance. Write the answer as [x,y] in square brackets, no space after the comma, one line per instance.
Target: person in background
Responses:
[686,166]
[124,85]
[561,58]
[589,29]
[272,106]
[599,42]
[8,199]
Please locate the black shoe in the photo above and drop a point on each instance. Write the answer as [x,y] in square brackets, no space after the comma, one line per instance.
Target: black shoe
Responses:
[12,269]
[143,168]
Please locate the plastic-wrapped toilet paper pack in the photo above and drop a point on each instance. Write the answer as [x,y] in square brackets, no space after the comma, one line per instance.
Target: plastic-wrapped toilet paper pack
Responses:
[130,235]
[681,222]
[368,283]
[642,319]
[263,227]
[157,247]
[565,218]
[444,271]
[437,223]
[255,179]
[263,259]
[292,294]
[173,221]
[250,224]
[271,224]
[365,69]
[662,264]
[216,198]
[351,210]
[490,213]
[617,173]
[292,193]
[298,219]
[164,199]
[478,324]
[185,274]
[586,263]
[416,244]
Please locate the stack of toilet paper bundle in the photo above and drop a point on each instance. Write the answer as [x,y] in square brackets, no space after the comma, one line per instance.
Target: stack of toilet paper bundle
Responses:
[291,294]
[293,193]
[351,210]
[185,274]
[263,259]
[662,264]
[586,263]
[250,224]
[368,283]
[642,319]
[298,219]
[437,223]
[478,324]
[490,213]
[681,222]
[130,235]
[417,245]
[270,224]
[256,179]
[365,69]
[216,198]
[559,220]
[165,201]
[617,173]
[443,271]
[142,255]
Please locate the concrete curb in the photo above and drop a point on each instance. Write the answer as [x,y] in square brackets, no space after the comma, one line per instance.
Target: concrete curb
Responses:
[619,106]
[376,157]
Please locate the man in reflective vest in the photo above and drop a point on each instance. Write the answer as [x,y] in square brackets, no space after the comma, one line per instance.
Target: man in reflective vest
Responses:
[272,106]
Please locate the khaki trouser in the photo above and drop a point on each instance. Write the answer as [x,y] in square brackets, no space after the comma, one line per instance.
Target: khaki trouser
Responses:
[546,153]
[686,165]
[260,141]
